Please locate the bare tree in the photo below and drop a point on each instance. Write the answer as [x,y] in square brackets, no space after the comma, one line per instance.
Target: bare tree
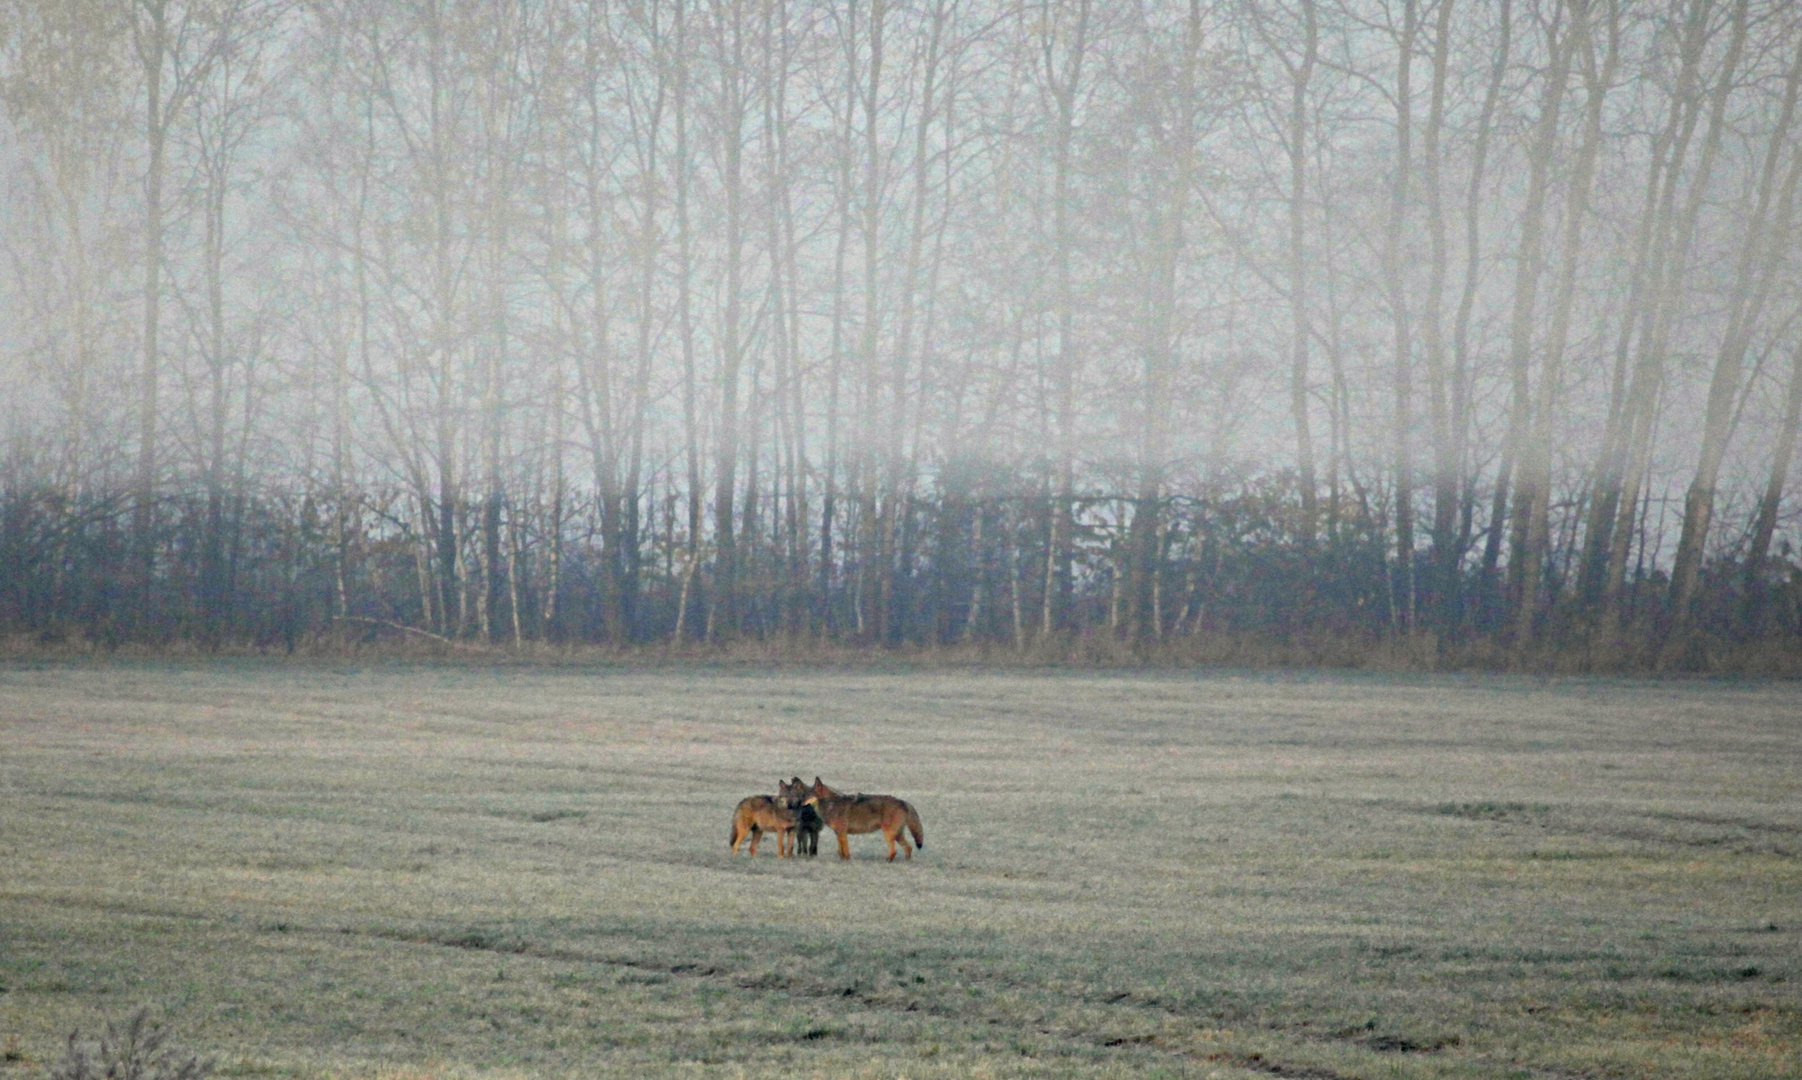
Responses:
[1769,228]
[1524,313]
[683,167]
[1401,328]
[1459,418]
[1442,577]
[176,46]
[731,108]
[230,104]
[1657,293]
[1172,177]
[1534,495]
[866,478]
[1064,43]
[648,94]
[843,159]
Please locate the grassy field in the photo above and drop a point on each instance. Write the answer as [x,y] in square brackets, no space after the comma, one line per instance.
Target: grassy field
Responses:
[428,871]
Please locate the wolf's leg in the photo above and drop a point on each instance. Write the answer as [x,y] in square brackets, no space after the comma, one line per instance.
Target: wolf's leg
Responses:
[844,844]
[756,835]
[897,834]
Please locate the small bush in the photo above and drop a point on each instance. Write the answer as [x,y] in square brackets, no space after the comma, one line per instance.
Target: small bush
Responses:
[132,1049]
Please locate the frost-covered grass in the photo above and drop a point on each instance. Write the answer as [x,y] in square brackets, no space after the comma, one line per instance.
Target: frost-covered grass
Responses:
[415,872]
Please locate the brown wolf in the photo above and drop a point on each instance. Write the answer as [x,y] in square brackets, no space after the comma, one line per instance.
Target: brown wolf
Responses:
[807,824]
[847,814]
[758,814]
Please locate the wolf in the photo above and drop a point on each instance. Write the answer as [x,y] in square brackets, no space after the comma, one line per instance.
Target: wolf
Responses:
[847,814]
[794,795]
[758,814]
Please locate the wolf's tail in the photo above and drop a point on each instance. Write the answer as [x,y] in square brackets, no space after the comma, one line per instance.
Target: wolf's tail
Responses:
[913,823]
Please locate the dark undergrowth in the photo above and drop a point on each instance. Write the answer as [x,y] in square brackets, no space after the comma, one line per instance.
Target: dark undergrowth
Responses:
[1707,656]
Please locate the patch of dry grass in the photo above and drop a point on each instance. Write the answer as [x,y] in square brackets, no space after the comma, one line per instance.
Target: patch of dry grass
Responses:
[433,871]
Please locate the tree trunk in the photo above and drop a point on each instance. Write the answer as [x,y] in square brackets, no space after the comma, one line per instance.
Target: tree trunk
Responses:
[1529,266]
[650,249]
[1755,614]
[1442,575]
[1535,460]
[1301,75]
[835,375]
[152,49]
[1064,85]
[730,45]
[1158,346]
[1399,321]
[684,169]
[1460,411]
[874,509]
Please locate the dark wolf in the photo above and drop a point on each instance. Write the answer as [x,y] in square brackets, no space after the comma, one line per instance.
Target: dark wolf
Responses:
[794,794]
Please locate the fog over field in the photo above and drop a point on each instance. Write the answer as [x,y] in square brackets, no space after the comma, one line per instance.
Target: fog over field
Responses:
[1471,323]
[430,872]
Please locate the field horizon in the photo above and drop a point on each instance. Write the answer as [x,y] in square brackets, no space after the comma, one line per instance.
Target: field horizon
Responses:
[415,870]
[1215,652]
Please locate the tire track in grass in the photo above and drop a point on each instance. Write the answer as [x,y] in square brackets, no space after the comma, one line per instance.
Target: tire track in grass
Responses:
[479,941]
[1259,1063]
[1253,1061]
[1746,836]
[474,940]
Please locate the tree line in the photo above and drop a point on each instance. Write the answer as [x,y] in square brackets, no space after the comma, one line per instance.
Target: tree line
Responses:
[939,321]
